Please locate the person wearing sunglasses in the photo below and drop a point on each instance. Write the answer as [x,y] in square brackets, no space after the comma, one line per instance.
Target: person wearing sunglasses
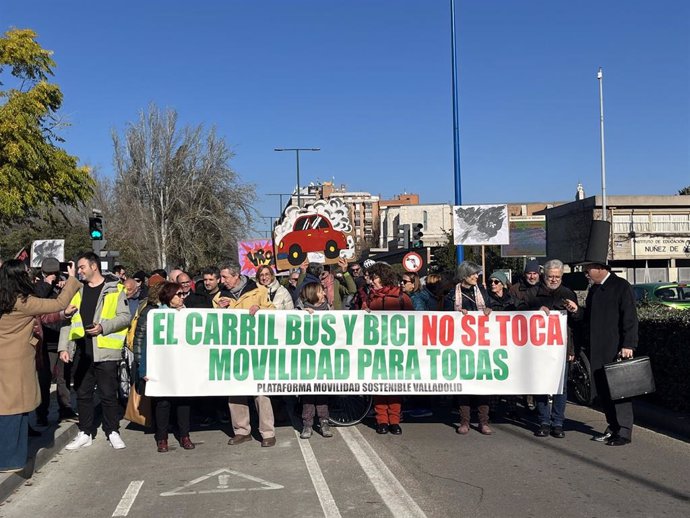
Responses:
[168,295]
[500,296]
[502,299]
[410,284]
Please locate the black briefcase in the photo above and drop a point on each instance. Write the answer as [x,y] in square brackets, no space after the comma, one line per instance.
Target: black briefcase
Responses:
[629,378]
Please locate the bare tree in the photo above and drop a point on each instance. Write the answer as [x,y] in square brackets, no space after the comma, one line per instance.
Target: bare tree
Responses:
[178,202]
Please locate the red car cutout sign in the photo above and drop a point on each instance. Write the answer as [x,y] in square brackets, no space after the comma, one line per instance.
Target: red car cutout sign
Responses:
[310,233]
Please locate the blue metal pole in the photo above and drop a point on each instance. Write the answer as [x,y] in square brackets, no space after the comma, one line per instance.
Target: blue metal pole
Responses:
[456,135]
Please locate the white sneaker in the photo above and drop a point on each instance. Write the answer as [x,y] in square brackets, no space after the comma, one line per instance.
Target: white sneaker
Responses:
[82,440]
[116,441]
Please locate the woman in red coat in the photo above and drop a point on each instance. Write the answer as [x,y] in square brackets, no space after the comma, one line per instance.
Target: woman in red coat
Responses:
[385,294]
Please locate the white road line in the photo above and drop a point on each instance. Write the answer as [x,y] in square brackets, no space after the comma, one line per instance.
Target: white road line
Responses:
[128,498]
[330,509]
[394,495]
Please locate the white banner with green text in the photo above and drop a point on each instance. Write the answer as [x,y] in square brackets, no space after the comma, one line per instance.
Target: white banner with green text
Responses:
[216,352]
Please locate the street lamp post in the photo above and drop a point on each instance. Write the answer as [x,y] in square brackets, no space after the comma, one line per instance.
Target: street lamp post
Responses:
[297,150]
[600,78]
[270,219]
[456,133]
[281,194]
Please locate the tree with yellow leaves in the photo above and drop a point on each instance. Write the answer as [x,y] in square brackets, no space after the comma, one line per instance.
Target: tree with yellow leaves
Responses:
[35,173]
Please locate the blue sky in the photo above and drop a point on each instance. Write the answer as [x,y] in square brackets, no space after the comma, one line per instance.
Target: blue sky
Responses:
[369,82]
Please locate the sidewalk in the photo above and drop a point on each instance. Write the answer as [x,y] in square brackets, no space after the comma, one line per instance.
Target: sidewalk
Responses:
[41,450]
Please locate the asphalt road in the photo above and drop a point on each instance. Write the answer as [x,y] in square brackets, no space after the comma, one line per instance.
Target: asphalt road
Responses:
[428,471]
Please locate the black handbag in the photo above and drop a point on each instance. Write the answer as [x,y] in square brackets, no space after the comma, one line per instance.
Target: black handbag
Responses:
[629,378]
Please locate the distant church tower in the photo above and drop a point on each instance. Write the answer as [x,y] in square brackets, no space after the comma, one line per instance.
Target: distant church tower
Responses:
[580,195]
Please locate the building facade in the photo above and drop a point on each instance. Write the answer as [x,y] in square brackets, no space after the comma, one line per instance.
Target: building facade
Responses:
[650,235]
[363,208]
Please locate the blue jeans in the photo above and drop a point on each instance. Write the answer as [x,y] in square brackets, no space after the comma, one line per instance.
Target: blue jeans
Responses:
[556,415]
[14,447]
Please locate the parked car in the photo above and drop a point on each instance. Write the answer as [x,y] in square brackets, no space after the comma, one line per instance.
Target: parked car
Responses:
[311,233]
[670,294]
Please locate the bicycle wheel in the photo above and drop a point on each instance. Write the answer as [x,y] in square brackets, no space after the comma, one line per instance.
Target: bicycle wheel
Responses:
[348,410]
[580,377]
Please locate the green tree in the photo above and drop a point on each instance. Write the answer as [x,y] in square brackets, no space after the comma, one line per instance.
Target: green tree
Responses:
[34,172]
[55,223]
[445,258]
[684,190]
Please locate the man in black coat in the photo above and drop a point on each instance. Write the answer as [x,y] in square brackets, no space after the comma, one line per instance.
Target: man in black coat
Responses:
[611,317]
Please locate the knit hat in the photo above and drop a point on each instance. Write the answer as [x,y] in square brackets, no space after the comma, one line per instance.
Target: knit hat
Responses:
[532,266]
[468,268]
[501,277]
[50,265]
[155,279]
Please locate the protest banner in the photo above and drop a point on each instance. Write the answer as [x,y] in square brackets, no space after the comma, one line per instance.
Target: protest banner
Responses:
[213,352]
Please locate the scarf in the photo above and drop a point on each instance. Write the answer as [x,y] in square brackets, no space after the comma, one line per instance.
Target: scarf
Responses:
[237,290]
[322,307]
[478,297]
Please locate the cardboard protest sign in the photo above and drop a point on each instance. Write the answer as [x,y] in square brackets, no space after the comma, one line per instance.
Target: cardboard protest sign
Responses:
[480,225]
[320,233]
[225,352]
[253,254]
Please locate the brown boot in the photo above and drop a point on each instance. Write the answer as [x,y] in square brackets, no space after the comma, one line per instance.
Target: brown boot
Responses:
[485,429]
[483,413]
[463,429]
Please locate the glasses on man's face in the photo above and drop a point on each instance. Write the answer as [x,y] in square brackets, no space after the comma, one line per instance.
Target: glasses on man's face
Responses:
[356,270]
[495,281]
[554,277]
[407,281]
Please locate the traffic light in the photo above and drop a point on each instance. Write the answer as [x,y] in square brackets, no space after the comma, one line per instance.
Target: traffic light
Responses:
[417,233]
[96,228]
[404,236]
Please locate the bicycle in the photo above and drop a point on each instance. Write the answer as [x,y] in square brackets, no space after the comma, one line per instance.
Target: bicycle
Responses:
[344,410]
[348,410]
[580,379]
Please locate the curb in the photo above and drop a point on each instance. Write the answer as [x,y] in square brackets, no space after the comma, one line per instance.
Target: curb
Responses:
[667,422]
[9,482]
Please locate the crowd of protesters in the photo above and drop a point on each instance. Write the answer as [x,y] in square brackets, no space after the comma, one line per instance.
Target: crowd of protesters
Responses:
[53,327]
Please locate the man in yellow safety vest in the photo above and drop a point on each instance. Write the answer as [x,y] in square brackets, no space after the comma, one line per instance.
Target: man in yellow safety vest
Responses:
[95,337]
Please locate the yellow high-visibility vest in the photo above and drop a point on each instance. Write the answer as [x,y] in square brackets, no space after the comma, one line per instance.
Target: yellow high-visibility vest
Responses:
[110,341]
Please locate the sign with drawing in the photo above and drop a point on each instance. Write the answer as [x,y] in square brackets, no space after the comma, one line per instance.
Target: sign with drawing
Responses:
[43,248]
[253,254]
[320,233]
[480,225]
